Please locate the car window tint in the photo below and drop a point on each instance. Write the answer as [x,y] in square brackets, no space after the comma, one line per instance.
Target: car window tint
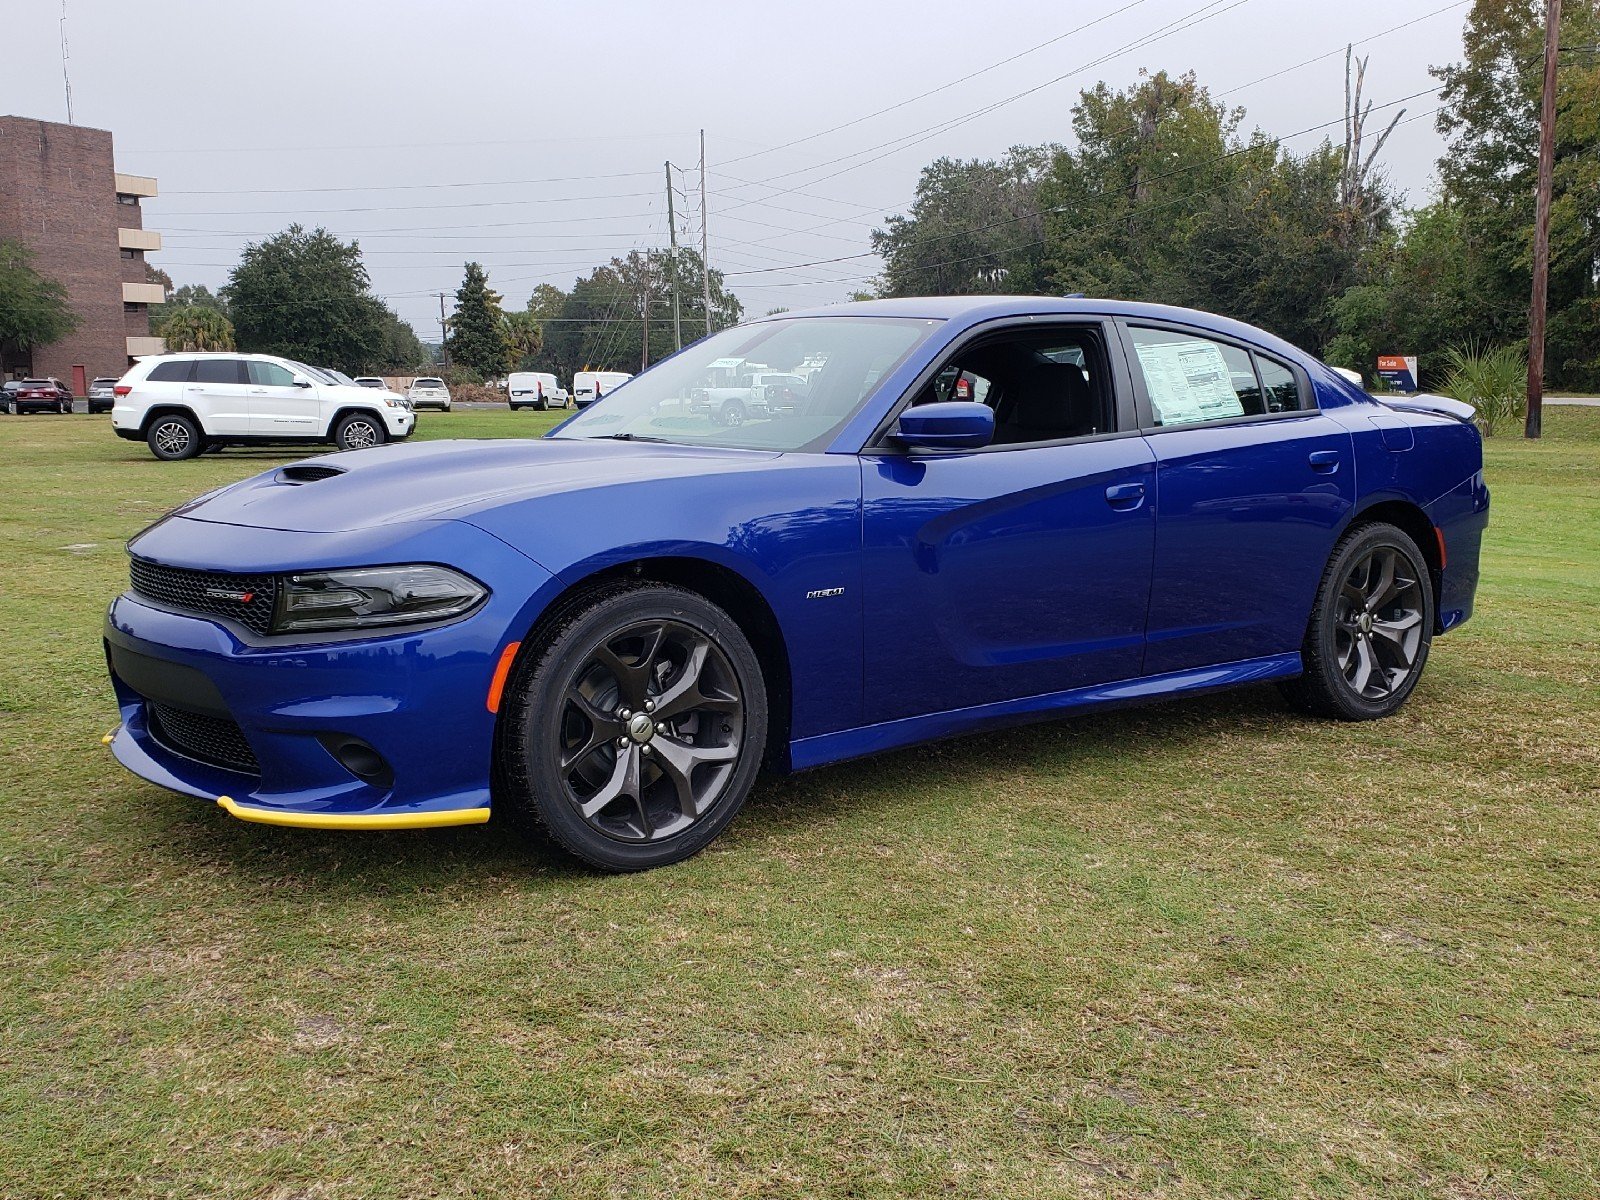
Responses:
[172,372]
[266,374]
[217,370]
[1192,379]
[1279,385]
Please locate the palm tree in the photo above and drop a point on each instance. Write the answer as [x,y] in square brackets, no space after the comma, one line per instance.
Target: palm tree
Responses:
[196,328]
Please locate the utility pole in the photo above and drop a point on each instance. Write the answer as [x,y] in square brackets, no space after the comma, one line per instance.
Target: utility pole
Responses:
[444,334]
[644,314]
[705,242]
[1541,222]
[672,267]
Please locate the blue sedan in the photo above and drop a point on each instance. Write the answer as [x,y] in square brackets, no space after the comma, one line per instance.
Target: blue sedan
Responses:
[980,511]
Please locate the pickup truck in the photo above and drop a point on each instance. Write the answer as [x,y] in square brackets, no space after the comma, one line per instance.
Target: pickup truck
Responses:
[763,394]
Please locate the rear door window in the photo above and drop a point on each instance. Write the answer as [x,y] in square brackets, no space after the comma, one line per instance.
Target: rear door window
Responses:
[217,370]
[1192,379]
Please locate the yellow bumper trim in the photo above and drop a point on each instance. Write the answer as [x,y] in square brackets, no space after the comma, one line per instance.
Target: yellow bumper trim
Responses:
[379,820]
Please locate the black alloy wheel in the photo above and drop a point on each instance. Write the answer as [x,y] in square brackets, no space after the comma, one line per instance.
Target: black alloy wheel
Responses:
[635,730]
[1371,628]
[174,436]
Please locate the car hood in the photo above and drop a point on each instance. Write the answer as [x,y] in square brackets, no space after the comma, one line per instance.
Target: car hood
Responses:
[362,489]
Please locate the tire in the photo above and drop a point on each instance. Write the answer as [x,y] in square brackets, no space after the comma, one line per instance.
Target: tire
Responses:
[173,437]
[1370,630]
[359,431]
[562,744]
[11,407]
[63,408]
[731,414]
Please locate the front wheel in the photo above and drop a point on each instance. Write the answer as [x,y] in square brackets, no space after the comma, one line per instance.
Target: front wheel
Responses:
[174,436]
[1370,630]
[635,729]
[359,431]
[64,408]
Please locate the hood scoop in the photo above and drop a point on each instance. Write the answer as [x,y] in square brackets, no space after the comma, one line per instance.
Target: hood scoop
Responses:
[298,473]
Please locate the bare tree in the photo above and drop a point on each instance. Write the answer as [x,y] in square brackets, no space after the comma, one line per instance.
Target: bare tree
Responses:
[1358,198]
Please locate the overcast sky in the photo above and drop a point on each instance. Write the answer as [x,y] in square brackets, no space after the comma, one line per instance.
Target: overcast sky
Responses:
[531,137]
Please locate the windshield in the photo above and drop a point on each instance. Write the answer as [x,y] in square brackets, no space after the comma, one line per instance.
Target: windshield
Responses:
[706,395]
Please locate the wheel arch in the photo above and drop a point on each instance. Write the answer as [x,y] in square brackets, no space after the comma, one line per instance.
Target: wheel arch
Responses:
[725,587]
[1410,518]
[163,410]
[347,410]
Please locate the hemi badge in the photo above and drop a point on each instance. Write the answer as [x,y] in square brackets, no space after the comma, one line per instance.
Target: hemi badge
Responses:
[824,593]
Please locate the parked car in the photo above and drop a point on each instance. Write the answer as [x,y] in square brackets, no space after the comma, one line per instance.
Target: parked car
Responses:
[183,404]
[589,386]
[607,632]
[101,396]
[39,395]
[428,392]
[535,389]
[371,381]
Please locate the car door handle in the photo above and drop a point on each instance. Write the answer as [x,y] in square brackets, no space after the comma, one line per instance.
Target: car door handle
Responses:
[1325,461]
[1125,495]
[258,391]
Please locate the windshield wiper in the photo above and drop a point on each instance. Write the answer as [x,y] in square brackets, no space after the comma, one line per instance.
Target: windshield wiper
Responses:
[631,437]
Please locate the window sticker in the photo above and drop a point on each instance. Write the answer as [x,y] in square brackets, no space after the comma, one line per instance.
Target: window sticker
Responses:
[1188,381]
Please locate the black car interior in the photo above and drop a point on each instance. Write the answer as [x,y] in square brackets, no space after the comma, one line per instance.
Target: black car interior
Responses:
[1044,385]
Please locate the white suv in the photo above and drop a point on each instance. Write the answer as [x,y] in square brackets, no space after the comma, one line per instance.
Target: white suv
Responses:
[183,404]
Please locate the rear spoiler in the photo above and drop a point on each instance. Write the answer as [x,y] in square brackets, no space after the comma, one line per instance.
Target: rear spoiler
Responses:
[1441,406]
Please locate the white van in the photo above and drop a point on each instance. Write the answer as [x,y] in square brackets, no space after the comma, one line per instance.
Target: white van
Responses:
[535,389]
[589,386]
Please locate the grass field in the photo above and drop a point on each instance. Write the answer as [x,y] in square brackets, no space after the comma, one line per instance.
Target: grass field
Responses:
[1205,949]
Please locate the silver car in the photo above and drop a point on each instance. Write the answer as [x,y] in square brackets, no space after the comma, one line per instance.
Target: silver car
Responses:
[101,397]
[429,392]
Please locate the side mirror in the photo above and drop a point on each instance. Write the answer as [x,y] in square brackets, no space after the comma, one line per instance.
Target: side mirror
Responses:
[950,425]
[301,381]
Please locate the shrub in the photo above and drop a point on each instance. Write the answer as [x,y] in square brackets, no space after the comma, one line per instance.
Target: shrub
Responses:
[1495,382]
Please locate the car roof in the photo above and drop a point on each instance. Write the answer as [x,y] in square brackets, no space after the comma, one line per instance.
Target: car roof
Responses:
[973,310]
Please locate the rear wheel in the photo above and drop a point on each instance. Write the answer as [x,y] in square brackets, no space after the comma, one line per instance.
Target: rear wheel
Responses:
[731,414]
[359,431]
[635,730]
[1370,630]
[174,436]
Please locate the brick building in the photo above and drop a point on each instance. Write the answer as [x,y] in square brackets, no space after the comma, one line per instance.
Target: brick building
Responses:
[62,197]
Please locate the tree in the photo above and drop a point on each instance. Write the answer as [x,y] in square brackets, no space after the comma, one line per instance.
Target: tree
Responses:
[195,327]
[600,321]
[402,350]
[525,336]
[974,227]
[33,309]
[478,340]
[1490,115]
[190,294]
[304,295]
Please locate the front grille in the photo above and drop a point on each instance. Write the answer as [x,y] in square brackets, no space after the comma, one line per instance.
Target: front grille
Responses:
[247,599]
[215,740]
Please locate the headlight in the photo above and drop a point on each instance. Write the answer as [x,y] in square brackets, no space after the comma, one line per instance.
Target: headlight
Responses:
[363,597]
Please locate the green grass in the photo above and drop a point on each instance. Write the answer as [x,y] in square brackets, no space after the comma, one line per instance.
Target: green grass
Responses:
[1205,949]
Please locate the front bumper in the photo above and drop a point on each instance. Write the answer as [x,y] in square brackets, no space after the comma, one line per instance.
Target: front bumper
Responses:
[412,701]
